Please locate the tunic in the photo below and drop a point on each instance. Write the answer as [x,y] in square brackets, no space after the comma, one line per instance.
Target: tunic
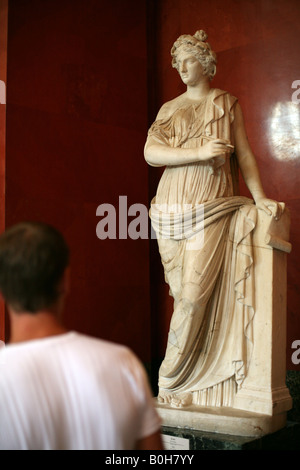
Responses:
[204,233]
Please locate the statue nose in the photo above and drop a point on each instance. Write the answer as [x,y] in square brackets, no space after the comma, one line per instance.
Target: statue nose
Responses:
[183,68]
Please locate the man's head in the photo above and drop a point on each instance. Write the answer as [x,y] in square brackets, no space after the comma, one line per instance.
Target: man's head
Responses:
[33,259]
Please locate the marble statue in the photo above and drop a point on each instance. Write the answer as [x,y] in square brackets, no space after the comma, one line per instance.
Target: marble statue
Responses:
[204,232]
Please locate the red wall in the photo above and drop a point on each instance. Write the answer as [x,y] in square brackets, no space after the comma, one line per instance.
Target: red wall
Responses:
[3,59]
[85,79]
[76,125]
[258,47]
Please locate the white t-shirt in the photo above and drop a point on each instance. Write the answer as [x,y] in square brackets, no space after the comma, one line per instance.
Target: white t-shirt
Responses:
[72,391]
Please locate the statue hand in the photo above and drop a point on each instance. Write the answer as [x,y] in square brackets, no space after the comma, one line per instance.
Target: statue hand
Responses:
[214,148]
[272,208]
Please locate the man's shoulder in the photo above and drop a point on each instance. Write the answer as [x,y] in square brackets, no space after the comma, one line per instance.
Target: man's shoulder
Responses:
[102,345]
[73,342]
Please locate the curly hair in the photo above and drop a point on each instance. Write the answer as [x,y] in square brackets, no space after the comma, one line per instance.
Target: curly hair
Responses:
[200,48]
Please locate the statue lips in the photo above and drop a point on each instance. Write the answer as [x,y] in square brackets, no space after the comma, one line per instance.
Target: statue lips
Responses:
[184,76]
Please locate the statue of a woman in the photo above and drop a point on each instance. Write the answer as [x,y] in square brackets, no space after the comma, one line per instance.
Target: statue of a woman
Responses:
[199,136]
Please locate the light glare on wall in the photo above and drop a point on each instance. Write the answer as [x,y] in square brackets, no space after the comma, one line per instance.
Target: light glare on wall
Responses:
[284,131]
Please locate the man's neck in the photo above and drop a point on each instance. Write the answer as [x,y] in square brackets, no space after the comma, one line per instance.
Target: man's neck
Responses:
[25,326]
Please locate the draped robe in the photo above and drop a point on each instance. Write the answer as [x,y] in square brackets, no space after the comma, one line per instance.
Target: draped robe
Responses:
[204,233]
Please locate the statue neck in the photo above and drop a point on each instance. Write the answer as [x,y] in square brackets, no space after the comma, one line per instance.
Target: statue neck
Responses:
[199,91]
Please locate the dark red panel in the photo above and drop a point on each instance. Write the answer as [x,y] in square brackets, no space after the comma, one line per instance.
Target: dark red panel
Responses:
[3,62]
[76,124]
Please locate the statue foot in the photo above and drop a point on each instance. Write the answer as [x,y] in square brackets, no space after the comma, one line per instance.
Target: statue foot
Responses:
[177,400]
[164,397]
[181,399]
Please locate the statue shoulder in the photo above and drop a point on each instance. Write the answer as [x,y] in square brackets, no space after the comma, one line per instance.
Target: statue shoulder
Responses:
[216,92]
[169,108]
[222,94]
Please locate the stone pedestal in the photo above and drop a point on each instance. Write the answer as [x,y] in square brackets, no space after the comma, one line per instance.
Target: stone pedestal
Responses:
[183,440]
[264,389]
[260,405]
[223,420]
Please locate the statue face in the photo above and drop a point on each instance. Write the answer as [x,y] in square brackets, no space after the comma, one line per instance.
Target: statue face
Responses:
[189,68]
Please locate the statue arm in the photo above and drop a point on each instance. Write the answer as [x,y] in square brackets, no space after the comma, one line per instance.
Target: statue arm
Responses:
[159,154]
[249,168]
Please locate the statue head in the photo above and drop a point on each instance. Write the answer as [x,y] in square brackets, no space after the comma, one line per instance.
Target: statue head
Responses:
[198,47]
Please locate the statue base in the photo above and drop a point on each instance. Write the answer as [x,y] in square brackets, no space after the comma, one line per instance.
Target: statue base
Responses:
[182,440]
[223,420]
